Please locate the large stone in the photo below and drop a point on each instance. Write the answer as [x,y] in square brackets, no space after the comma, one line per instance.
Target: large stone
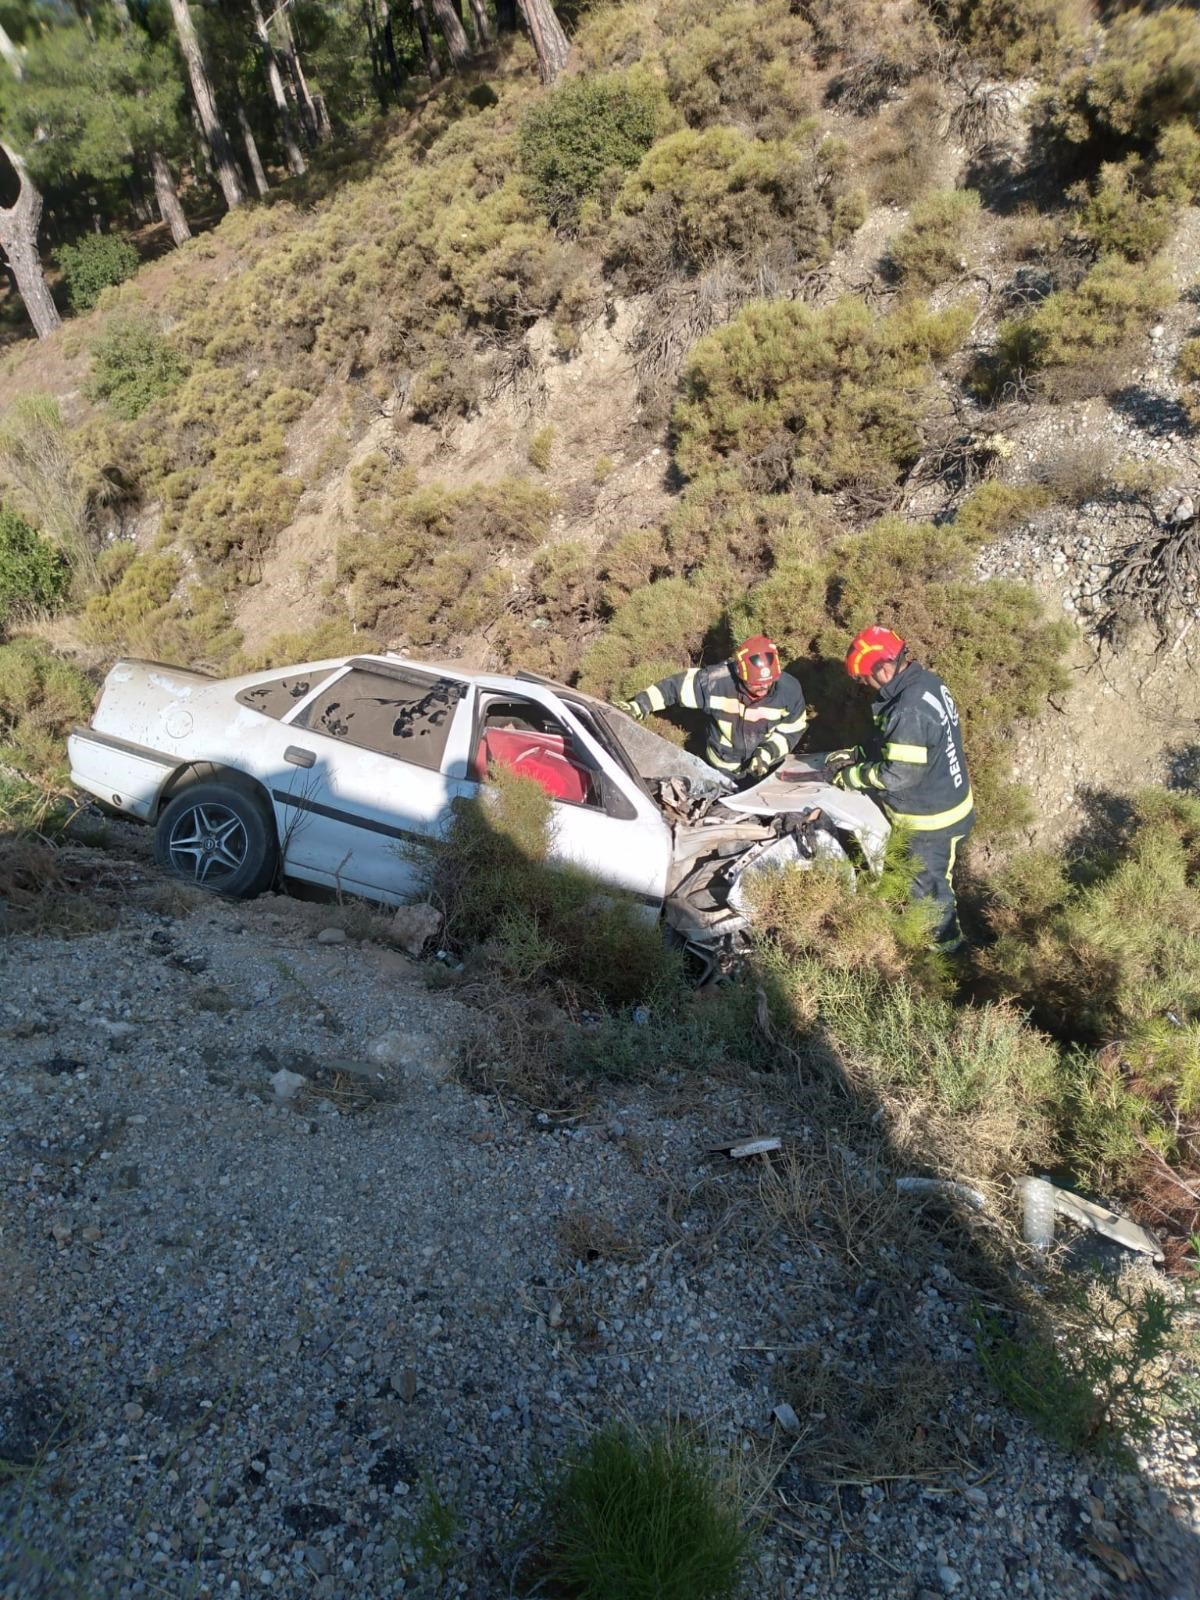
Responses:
[414,926]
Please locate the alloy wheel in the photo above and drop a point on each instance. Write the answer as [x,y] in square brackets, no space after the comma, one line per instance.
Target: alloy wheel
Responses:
[207,843]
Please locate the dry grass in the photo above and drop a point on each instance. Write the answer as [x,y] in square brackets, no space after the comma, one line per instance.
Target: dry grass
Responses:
[585,1235]
[59,892]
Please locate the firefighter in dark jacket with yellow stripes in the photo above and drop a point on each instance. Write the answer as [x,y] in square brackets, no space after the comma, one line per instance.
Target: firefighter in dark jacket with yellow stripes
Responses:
[755,711]
[915,767]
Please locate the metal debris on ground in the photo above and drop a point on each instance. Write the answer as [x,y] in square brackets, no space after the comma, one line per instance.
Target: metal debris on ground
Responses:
[943,1188]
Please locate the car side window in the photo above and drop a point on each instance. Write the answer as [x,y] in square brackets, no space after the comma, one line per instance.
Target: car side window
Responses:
[277,696]
[398,714]
[524,738]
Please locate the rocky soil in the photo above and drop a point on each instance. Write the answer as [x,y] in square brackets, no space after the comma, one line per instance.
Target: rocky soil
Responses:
[324,1334]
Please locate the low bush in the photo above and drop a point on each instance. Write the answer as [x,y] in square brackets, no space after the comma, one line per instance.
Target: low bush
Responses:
[791,395]
[1016,35]
[42,697]
[1109,955]
[936,244]
[698,195]
[1187,371]
[1142,77]
[1175,172]
[95,263]
[1079,341]
[993,508]
[1117,218]
[430,562]
[145,607]
[538,919]
[571,138]
[643,1517]
[1098,1377]
[132,366]
[38,456]
[739,64]
[900,155]
[849,973]
[34,575]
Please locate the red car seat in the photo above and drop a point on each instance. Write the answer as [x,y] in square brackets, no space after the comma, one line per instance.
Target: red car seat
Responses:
[541,756]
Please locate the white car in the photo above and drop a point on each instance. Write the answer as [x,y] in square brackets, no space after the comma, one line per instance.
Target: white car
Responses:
[324,772]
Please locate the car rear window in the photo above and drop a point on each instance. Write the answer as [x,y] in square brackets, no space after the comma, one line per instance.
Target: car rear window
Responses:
[277,696]
[395,714]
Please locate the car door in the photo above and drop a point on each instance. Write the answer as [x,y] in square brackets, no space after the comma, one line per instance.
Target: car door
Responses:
[601,820]
[367,756]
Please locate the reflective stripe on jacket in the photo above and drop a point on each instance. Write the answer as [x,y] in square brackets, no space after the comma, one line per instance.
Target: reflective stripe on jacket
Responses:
[737,726]
[916,767]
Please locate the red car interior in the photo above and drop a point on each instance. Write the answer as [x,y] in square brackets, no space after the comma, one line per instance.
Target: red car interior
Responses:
[537,755]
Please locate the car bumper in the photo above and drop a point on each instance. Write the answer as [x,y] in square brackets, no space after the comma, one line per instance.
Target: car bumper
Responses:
[124,775]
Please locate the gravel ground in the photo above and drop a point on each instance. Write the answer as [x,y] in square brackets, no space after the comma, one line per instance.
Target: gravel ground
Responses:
[324,1346]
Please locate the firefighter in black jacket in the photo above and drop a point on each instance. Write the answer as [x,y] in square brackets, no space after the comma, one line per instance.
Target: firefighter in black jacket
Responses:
[915,768]
[755,711]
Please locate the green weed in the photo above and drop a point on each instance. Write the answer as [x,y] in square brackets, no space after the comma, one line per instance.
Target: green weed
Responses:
[643,1517]
[570,139]
[937,243]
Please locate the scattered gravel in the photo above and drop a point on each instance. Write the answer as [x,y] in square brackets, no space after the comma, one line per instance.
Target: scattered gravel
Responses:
[285,1310]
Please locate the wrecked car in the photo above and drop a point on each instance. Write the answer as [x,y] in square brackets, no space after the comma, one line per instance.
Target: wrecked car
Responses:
[324,772]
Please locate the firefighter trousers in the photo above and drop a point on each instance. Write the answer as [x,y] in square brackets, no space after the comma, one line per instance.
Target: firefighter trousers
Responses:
[936,852]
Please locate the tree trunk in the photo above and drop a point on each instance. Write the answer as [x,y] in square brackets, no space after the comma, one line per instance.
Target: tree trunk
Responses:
[453,33]
[256,167]
[18,237]
[206,105]
[483,28]
[388,41]
[432,64]
[295,160]
[167,196]
[317,121]
[506,16]
[12,55]
[549,41]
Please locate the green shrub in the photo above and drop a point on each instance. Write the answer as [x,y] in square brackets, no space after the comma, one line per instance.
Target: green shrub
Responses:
[428,562]
[540,919]
[1144,76]
[571,138]
[900,155]
[1016,35]
[132,366]
[335,636]
[42,697]
[993,508]
[740,64]
[1117,218]
[1110,956]
[832,397]
[541,447]
[1187,371]
[1080,341]
[638,1517]
[95,263]
[937,242]
[847,969]
[144,607]
[699,195]
[1176,169]
[39,456]
[1095,1381]
[34,576]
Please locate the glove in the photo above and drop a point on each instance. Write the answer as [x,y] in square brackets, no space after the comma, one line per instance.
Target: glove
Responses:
[838,778]
[758,766]
[843,758]
[631,709]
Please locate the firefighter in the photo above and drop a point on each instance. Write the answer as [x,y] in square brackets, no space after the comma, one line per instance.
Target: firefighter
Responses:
[915,767]
[755,711]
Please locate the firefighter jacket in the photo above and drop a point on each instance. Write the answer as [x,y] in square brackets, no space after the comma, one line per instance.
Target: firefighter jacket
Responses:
[915,766]
[738,727]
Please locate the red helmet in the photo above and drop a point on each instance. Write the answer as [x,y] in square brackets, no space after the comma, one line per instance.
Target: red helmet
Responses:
[871,648]
[756,664]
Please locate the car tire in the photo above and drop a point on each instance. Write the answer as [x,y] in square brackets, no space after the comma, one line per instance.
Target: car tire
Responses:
[220,837]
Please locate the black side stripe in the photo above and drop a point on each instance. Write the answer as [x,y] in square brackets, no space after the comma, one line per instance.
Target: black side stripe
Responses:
[301,803]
